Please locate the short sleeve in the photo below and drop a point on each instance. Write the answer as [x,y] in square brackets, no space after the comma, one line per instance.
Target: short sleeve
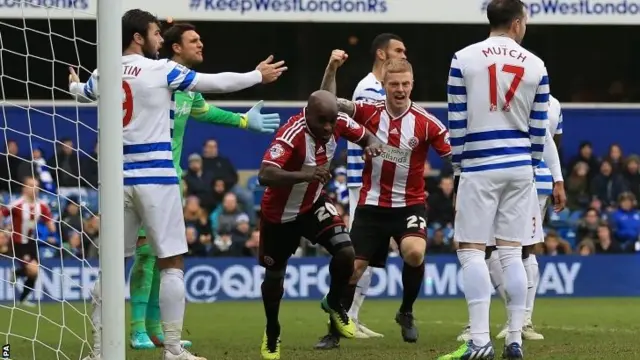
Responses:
[179,77]
[278,154]
[347,128]
[90,88]
[438,136]
[363,111]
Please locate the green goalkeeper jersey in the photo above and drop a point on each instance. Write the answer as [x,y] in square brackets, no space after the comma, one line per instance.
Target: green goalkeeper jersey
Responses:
[192,104]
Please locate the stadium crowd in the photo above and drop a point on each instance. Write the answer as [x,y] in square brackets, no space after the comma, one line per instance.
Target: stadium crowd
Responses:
[602,214]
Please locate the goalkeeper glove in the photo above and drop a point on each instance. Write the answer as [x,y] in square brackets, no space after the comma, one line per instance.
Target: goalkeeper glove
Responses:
[256,121]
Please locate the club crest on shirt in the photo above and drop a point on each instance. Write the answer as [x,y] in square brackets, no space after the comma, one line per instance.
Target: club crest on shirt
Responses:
[413,142]
[276,151]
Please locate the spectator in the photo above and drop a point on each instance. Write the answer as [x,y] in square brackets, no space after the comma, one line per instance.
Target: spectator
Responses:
[196,247]
[223,245]
[554,245]
[71,225]
[9,168]
[91,236]
[214,197]
[197,179]
[242,231]
[251,246]
[431,181]
[89,169]
[615,157]
[67,168]
[577,187]
[585,154]
[37,168]
[588,225]
[198,219]
[626,221]
[440,204]
[605,244]
[607,185]
[224,217]
[631,175]
[222,168]
[586,248]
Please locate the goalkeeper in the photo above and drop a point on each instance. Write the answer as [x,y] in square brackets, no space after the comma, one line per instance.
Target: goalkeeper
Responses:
[183,44]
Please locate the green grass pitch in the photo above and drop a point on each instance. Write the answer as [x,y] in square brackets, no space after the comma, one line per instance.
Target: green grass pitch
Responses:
[579,329]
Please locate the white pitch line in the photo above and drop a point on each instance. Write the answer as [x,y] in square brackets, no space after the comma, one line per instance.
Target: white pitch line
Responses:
[549,327]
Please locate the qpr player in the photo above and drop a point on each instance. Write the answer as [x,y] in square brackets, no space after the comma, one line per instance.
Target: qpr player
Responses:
[294,169]
[498,96]
[392,199]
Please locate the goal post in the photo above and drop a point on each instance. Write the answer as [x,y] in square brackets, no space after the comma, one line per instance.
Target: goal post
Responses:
[110,173]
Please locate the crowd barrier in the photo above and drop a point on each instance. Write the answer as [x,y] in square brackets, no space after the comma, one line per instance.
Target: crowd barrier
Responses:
[232,279]
[602,125]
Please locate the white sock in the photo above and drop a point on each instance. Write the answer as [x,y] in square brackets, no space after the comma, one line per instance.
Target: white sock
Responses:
[477,291]
[96,316]
[533,277]
[515,283]
[497,278]
[172,304]
[361,292]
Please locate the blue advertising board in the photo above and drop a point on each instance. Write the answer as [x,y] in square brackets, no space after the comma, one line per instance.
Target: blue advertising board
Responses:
[234,279]
[600,125]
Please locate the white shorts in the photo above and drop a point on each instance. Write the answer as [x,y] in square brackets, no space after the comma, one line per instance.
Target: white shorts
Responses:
[538,205]
[354,197]
[494,204]
[159,209]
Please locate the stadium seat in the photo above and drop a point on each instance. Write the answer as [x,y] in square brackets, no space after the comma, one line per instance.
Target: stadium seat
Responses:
[575,217]
[258,192]
[559,220]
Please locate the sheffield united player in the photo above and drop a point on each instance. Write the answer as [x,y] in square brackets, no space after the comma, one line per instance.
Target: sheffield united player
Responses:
[498,96]
[25,214]
[384,47]
[294,169]
[392,199]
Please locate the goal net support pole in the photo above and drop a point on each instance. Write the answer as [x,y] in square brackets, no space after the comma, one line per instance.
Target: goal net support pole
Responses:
[109,15]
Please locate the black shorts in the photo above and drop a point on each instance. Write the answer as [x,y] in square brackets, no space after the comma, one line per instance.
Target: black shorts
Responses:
[373,227]
[25,252]
[278,241]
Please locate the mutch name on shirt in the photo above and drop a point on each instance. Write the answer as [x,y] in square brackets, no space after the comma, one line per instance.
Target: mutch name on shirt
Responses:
[504,51]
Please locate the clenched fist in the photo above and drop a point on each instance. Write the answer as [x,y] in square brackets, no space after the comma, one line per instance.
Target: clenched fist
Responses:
[338,57]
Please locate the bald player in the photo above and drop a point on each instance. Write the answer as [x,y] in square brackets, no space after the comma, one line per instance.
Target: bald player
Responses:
[294,169]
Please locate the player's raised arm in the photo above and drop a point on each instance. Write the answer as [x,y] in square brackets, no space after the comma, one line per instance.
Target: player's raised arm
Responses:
[457,99]
[83,92]
[538,119]
[338,57]
[183,79]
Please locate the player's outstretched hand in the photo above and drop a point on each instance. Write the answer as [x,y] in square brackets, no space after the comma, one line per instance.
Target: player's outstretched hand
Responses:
[372,151]
[338,57]
[263,123]
[73,76]
[559,196]
[271,71]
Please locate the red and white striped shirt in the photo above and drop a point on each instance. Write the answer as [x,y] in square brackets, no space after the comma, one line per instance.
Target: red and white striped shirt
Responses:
[395,179]
[293,149]
[25,216]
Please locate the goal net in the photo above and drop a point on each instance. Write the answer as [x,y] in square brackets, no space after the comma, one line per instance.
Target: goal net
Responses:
[50,229]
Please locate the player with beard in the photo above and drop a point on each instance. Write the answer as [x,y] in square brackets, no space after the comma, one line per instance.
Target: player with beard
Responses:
[151,185]
[392,199]
[184,46]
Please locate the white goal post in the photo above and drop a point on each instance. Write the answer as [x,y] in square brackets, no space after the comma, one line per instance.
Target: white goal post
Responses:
[53,322]
[111,178]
